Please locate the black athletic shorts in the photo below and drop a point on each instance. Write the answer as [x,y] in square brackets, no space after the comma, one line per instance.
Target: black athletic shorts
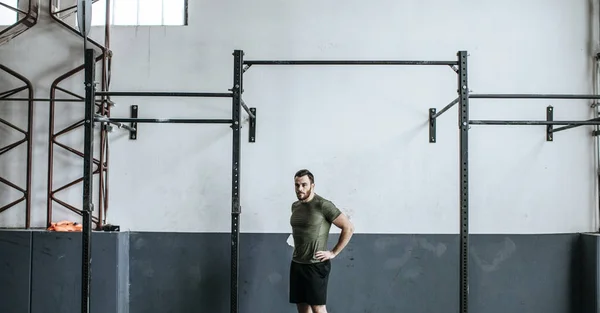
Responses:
[308,282]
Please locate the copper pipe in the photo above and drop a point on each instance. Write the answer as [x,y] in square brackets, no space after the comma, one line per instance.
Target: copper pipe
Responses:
[103,179]
[70,93]
[74,151]
[10,205]
[73,30]
[11,184]
[25,23]
[11,92]
[53,136]
[104,108]
[22,25]
[28,138]
[68,129]
[5,149]
[13,126]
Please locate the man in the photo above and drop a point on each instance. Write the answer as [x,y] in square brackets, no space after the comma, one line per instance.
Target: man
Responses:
[311,219]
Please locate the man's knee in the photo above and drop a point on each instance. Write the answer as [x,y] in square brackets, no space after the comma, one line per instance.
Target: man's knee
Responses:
[318,308]
[303,308]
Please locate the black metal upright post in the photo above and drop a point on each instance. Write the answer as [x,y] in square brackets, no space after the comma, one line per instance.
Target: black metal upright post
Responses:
[463,100]
[88,147]
[235,175]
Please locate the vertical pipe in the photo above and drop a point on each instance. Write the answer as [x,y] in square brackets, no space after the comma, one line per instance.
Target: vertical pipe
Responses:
[50,177]
[29,157]
[595,133]
[235,176]
[52,139]
[87,180]
[463,90]
[103,54]
[104,110]
[107,70]
[596,113]
[102,159]
[28,141]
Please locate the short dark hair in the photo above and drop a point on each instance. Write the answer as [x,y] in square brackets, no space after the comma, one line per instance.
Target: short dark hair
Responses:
[305,172]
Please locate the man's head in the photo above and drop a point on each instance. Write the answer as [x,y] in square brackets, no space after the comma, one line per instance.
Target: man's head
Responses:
[304,182]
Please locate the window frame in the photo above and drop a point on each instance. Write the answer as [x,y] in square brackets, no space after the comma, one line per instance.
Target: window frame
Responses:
[101,22]
[15,19]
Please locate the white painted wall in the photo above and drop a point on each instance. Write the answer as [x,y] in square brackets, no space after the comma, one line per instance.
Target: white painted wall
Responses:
[361,130]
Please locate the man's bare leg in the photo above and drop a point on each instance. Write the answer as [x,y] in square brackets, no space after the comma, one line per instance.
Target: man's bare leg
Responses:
[319,308]
[304,308]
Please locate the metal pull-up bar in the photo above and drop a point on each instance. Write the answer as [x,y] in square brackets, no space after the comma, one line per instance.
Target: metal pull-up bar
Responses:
[549,122]
[348,62]
[531,96]
[162,120]
[91,118]
[84,17]
[249,63]
[134,118]
[464,125]
[459,67]
[164,94]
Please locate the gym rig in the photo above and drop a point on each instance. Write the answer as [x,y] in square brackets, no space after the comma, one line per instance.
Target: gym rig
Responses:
[239,67]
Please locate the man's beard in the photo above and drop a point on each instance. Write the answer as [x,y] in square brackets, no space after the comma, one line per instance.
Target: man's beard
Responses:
[305,195]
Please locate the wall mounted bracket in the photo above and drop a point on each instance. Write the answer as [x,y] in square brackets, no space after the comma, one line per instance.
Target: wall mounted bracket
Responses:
[549,118]
[133,130]
[432,119]
[252,130]
[433,115]
[135,110]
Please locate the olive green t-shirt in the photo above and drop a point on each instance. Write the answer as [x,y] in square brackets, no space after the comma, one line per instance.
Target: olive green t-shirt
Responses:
[311,222]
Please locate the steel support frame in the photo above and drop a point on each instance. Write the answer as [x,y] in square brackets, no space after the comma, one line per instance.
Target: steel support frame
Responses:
[460,67]
[88,171]
[236,210]
[27,19]
[463,115]
[103,55]
[91,118]
[550,122]
[27,140]
[464,126]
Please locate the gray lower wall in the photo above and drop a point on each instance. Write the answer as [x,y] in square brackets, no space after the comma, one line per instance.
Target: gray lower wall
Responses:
[589,260]
[189,272]
[40,272]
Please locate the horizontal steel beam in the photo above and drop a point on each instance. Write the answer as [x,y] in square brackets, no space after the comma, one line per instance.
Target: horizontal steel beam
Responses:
[162,120]
[527,123]
[164,94]
[533,96]
[41,99]
[347,62]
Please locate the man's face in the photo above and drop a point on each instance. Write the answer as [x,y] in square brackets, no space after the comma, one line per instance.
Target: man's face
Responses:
[304,188]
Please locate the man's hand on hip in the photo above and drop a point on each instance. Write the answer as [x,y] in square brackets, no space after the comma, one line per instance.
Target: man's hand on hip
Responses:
[324,255]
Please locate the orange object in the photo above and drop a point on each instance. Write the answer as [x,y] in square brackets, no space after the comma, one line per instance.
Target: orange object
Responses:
[65,226]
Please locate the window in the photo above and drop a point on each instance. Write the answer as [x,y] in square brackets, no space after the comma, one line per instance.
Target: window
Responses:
[122,12]
[141,12]
[8,13]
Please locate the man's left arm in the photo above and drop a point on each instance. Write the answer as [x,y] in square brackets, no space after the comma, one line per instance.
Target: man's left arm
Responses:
[343,223]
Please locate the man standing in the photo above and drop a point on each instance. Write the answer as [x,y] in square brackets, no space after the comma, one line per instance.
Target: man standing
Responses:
[311,219]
